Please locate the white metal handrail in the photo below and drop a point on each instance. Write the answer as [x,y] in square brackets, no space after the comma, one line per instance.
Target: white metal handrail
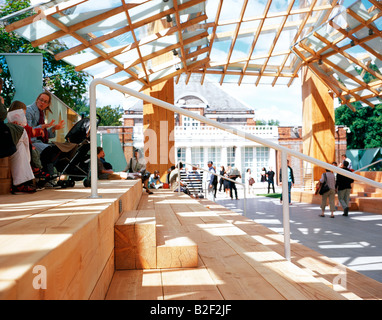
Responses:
[284,151]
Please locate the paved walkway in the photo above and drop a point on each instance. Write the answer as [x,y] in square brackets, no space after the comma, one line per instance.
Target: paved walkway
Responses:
[354,241]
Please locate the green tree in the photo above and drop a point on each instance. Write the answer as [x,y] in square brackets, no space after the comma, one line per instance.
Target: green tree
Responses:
[365,125]
[59,77]
[110,116]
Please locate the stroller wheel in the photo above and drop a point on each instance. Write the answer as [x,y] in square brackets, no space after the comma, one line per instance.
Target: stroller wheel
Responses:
[87,183]
[62,184]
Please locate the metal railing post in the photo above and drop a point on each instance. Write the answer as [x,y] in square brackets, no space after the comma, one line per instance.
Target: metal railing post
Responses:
[93,140]
[286,223]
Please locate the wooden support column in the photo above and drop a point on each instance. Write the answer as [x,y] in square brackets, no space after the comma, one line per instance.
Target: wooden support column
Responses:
[318,129]
[158,123]
[158,126]
[5,176]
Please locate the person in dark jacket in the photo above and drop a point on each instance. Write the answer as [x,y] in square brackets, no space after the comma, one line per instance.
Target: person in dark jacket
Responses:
[290,180]
[343,186]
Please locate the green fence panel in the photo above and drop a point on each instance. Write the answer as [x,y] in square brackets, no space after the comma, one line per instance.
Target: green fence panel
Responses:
[113,150]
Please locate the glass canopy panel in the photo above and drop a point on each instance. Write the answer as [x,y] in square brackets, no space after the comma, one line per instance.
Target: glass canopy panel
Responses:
[278,6]
[119,76]
[96,5]
[229,11]
[67,42]
[231,78]
[193,10]
[39,29]
[263,44]
[219,51]
[276,61]
[147,10]
[285,39]
[82,57]
[240,50]
[256,10]
[128,57]
[99,68]
[162,73]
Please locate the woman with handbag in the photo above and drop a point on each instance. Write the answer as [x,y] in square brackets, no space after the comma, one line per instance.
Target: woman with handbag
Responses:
[327,190]
[249,181]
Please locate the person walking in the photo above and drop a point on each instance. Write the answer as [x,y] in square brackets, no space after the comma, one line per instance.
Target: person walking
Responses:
[233,174]
[290,182]
[212,181]
[343,185]
[270,178]
[249,181]
[328,178]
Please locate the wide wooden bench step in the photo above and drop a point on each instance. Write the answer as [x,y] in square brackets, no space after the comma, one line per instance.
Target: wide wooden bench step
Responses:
[175,250]
[135,240]
[152,237]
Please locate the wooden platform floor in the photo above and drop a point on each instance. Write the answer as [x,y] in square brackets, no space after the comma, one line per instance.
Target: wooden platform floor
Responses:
[238,259]
[72,235]
[63,237]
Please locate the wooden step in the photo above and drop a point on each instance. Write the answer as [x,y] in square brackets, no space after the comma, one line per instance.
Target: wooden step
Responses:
[175,250]
[370,194]
[152,237]
[372,205]
[135,240]
[63,237]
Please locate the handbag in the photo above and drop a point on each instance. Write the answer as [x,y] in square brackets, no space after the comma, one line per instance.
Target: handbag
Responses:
[251,181]
[324,186]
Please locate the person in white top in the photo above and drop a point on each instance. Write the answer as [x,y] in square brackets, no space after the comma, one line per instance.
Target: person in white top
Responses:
[344,158]
[249,184]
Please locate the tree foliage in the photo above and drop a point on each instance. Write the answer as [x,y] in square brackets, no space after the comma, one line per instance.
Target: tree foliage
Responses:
[59,77]
[365,125]
[270,122]
[110,116]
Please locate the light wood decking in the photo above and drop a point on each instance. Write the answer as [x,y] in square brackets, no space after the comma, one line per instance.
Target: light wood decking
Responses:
[72,236]
[238,259]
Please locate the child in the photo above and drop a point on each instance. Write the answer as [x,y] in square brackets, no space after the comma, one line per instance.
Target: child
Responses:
[16,115]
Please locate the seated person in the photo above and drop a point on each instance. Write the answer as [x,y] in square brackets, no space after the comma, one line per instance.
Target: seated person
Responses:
[21,171]
[174,183]
[17,115]
[35,115]
[154,181]
[136,169]
[106,174]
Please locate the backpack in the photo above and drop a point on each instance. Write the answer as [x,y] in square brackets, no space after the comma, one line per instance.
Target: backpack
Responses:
[7,147]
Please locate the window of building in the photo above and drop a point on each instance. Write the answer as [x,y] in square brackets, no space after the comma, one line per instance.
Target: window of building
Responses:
[190,122]
[197,156]
[247,158]
[262,160]
[181,155]
[214,155]
[231,156]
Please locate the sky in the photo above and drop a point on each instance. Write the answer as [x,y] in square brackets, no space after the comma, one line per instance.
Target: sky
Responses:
[278,103]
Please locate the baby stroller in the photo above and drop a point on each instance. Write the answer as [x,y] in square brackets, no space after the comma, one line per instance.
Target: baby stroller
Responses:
[73,160]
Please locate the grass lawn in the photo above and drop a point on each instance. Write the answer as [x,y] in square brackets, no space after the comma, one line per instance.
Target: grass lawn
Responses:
[270,195]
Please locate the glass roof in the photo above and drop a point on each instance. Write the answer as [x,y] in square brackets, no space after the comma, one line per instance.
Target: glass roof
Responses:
[346,53]
[141,43]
